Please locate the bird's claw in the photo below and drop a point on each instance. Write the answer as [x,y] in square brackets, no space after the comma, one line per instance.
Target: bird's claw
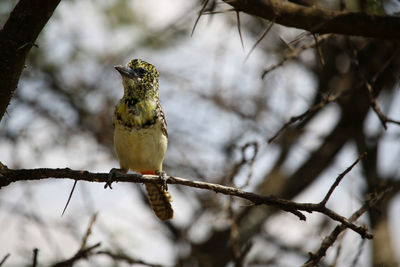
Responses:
[163,176]
[111,177]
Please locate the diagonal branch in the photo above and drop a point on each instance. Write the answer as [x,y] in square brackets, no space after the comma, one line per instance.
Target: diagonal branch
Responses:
[330,239]
[340,177]
[17,37]
[325,100]
[319,20]
[81,254]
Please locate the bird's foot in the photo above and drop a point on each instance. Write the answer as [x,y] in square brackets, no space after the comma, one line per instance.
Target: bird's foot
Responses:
[112,175]
[163,176]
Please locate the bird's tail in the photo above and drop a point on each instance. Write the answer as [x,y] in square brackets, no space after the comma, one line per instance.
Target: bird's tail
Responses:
[160,201]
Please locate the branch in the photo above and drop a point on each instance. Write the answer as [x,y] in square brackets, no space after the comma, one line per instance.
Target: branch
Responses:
[325,100]
[329,240]
[17,37]
[125,258]
[370,91]
[83,252]
[8,176]
[340,177]
[295,54]
[319,20]
[383,118]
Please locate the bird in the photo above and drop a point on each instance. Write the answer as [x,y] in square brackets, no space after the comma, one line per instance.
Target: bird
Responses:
[140,131]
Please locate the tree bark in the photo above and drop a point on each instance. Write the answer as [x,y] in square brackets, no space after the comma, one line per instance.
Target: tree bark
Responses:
[17,37]
[320,20]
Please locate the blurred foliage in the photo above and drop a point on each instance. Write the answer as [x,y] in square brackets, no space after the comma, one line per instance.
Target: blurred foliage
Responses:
[219,111]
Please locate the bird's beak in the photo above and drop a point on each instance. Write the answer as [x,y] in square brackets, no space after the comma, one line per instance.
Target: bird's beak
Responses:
[125,71]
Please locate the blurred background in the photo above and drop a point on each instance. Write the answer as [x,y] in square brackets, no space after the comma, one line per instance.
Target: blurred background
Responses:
[220,114]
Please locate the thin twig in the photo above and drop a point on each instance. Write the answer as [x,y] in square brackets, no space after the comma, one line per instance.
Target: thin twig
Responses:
[235,169]
[88,231]
[82,254]
[250,161]
[370,91]
[83,251]
[325,100]
[383,118]
[330,239]
[340,177]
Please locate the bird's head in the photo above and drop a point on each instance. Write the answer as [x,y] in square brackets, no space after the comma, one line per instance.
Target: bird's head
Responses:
[140,79]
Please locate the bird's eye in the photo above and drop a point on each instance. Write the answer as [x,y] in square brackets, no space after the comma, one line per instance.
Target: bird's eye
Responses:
[140,72]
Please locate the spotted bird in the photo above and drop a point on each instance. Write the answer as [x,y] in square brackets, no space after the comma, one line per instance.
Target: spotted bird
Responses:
[140,130]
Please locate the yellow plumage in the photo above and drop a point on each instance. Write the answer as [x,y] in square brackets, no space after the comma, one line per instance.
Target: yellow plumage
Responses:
[140,132]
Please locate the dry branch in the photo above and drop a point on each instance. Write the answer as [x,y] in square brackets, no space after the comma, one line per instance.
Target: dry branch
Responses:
[295,53]
[8,176]
[330,239]
[325,100]
[83,251]
[319,20]
[369,87]
[82,254]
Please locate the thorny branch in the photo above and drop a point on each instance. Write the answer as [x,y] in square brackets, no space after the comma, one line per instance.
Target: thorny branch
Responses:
[296,53]
[319,20]
[8,176]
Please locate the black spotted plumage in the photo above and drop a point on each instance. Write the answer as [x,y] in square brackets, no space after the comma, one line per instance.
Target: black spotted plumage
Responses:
[140,131]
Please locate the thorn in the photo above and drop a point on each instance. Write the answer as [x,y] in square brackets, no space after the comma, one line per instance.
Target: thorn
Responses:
[69,198]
